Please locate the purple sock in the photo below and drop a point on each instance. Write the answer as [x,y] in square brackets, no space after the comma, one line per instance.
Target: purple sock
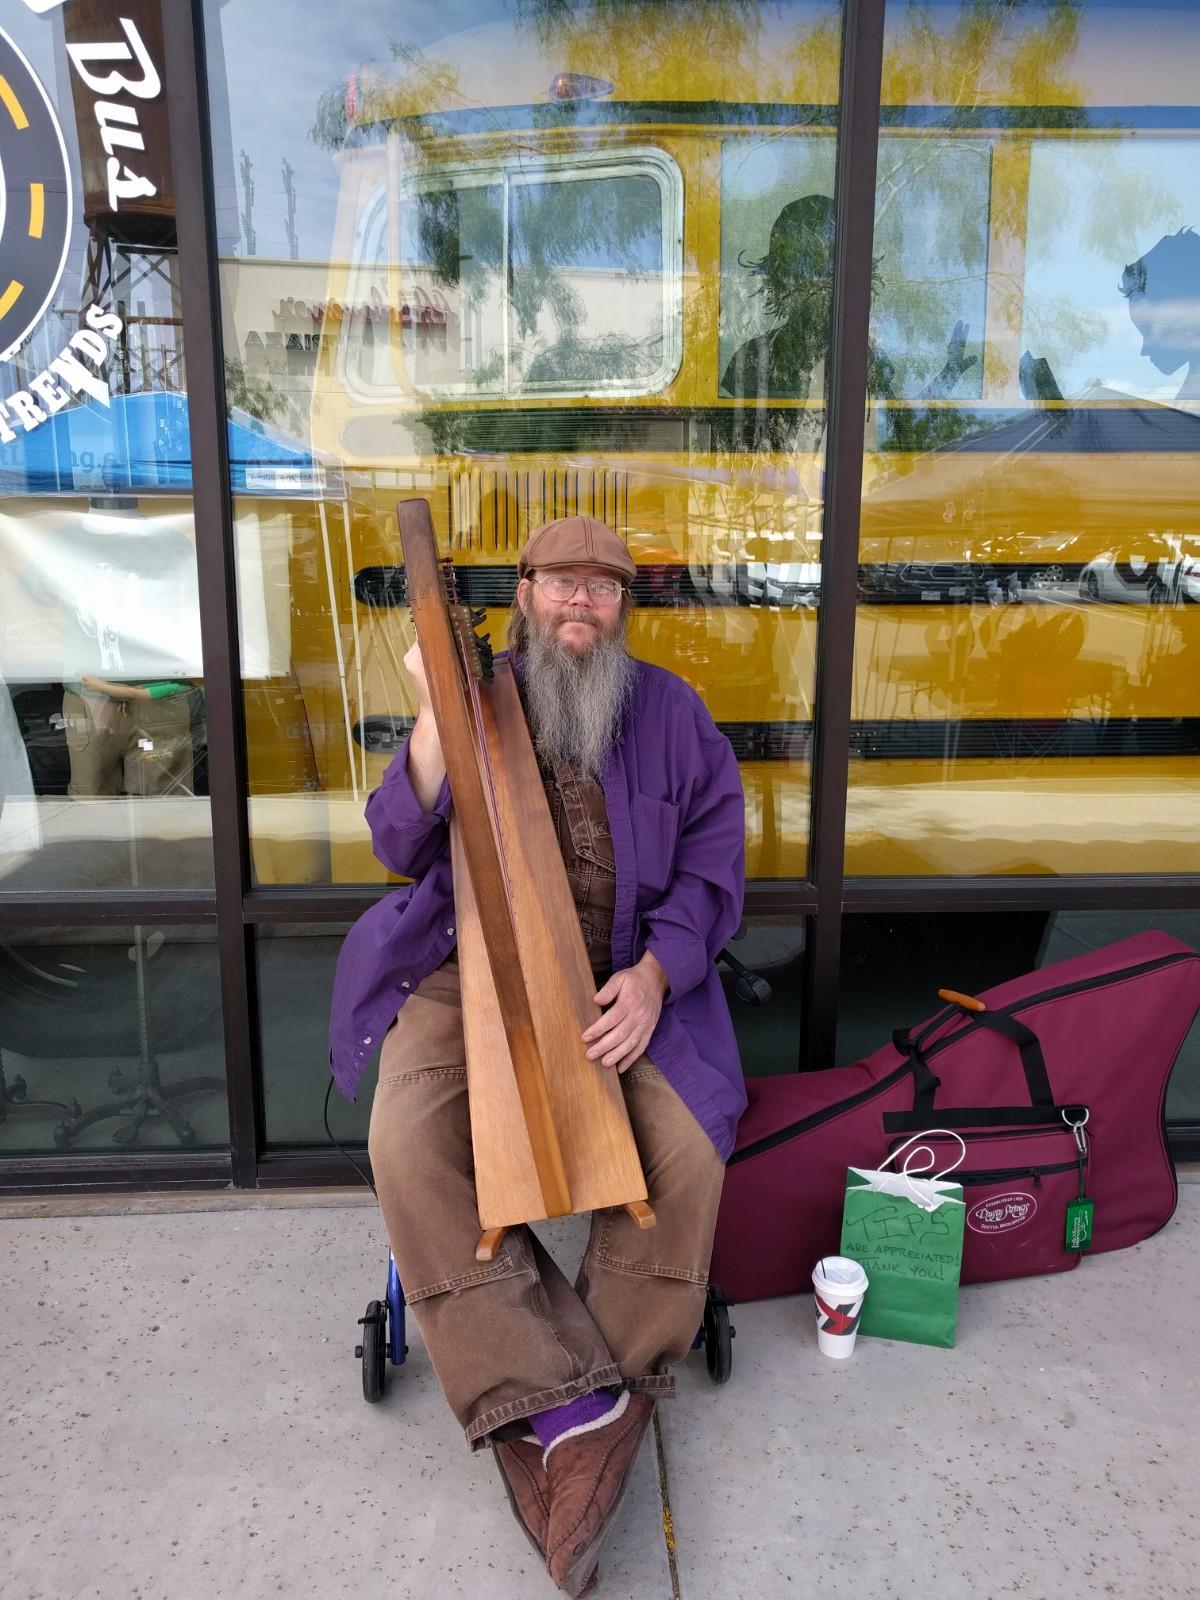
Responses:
[577,1416]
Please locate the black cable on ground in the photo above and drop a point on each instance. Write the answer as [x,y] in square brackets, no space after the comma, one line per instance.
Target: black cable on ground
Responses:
[333,1139]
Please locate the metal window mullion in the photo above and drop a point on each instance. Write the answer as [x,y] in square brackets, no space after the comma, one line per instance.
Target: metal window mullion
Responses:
[332,903]
[505,281]
[121,1172]
[70,908]
[846,380]
[187,103]
[1102,892]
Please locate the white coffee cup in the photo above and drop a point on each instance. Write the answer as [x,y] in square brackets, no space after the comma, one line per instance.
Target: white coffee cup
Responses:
[839,1286]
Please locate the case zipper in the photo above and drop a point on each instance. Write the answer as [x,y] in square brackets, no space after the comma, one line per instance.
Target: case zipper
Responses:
[1036,1131]
[1011,1174]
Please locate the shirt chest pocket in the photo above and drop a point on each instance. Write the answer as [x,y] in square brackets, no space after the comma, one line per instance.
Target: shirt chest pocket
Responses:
[655,836]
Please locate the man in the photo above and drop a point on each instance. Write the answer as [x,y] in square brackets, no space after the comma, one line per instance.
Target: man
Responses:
[648,807]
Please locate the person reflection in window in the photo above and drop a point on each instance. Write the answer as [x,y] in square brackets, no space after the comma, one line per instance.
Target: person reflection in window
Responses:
[1163,290]
[787,361]
[129,738]
[124,586]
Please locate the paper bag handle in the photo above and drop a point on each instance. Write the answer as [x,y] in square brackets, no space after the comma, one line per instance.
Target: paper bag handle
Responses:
[908,1171]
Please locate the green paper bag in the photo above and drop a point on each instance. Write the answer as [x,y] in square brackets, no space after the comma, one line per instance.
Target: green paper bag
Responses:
[911,1250]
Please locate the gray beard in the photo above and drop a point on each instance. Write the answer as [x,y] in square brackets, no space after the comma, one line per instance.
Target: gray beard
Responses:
[575,704]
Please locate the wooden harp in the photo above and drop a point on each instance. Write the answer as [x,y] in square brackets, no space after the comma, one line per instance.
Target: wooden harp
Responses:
[549,1128]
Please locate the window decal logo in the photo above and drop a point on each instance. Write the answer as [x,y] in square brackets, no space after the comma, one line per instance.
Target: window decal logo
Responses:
[35,199]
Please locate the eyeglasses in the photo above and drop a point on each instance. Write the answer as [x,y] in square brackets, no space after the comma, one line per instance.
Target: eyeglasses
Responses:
[604,591]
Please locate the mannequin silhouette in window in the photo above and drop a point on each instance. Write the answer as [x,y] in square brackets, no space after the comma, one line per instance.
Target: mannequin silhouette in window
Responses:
[1163,291]
[786,361]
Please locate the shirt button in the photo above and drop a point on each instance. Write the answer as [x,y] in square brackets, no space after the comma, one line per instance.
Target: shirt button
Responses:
[406,984]
[450,931]
[367,1038]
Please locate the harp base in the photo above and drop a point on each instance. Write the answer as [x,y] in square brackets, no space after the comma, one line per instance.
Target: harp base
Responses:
[491,1239]
[641,1212]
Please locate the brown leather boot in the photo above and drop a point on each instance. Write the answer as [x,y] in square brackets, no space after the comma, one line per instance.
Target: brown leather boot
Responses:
[588,1476]
[525,1483]
[527,1487]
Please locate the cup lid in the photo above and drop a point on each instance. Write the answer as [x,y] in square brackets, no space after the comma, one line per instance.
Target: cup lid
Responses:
[841,1270]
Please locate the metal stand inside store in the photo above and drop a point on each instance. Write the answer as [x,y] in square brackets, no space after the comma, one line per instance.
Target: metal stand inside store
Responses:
[141,1094]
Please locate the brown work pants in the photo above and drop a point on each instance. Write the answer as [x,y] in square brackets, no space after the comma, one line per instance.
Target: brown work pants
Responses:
[513,1337]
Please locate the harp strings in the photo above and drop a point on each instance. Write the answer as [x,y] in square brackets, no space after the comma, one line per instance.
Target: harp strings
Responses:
[485,765]
[462,629]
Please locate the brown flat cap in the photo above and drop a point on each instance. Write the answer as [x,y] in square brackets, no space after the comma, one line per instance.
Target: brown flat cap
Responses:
[576,542]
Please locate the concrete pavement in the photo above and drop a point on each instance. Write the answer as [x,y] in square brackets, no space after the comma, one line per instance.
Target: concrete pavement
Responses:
[182,1420]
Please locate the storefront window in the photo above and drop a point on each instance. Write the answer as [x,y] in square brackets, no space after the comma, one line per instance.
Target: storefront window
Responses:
[767,1020]
[110,1039]
[1025,691]
[103,773]
[492,275]
[295,986]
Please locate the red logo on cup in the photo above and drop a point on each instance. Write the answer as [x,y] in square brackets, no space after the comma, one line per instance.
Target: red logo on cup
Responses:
[1001,1213]
[838,1319]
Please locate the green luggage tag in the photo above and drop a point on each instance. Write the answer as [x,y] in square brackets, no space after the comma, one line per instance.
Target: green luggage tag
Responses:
[1079,1211]
[1079,1223]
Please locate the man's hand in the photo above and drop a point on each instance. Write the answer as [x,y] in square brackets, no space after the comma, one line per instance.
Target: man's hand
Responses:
[426,763]
[414,665]
[634,997]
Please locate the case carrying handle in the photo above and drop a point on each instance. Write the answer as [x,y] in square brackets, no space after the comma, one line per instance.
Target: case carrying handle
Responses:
[1033,1062]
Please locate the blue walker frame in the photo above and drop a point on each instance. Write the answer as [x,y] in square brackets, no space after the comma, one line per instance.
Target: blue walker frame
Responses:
[383,1338]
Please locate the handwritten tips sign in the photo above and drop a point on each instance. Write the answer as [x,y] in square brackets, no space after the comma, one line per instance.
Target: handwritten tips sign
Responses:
[912,1256]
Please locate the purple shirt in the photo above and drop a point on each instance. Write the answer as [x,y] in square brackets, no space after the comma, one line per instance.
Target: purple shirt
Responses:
[675,807]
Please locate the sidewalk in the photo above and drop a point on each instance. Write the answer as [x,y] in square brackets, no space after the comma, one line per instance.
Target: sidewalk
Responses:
[183,1420]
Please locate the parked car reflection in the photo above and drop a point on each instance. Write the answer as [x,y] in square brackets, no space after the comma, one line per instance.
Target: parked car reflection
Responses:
[918,581]
[782,583]
[1139,581]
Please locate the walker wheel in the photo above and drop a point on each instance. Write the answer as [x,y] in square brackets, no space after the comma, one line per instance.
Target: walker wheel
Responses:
[373,1351]
[719,1335]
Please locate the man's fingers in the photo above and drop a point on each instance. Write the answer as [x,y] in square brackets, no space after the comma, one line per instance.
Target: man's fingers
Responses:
[634,1055]
[604,1025]
[620,1035]
[618,1054]
[611,1048]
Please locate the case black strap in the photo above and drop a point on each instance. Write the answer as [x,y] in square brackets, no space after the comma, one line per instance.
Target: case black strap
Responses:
[1032,1059]
[926,1085]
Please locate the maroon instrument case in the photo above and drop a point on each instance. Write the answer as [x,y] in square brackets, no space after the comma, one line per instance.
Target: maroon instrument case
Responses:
[1088,1042]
